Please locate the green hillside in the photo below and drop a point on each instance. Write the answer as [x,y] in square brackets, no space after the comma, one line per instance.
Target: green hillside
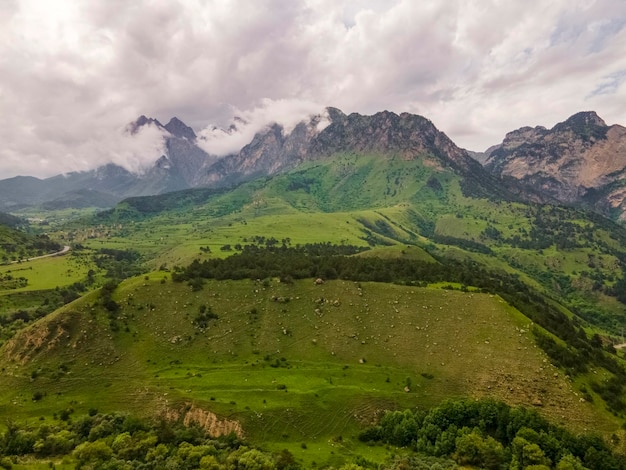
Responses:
[575,257]
[282,363]
[434,288]
[17,245]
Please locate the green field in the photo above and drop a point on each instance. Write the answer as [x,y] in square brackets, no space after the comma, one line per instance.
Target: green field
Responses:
[46,273]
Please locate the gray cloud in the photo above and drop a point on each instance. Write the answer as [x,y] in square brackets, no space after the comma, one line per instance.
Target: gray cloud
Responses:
[73,73]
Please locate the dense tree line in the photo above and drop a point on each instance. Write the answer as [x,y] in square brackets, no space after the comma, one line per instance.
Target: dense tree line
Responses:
[118,441]
[483,434]
[490,434]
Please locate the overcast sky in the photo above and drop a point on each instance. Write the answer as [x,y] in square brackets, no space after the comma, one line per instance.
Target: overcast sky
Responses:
[74,73]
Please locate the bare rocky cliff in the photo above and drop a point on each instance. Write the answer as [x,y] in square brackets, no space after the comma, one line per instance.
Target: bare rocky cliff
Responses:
[580,161]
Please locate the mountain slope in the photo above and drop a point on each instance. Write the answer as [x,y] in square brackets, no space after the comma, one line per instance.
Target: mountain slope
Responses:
[272,151]
[294,362]
[405,136]
[580,161]
[382,199]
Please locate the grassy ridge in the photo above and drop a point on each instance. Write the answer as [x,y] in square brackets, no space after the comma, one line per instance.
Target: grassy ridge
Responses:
[291,363]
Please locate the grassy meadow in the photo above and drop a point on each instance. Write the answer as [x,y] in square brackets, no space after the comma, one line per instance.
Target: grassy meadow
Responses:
[46,273]
[291,364]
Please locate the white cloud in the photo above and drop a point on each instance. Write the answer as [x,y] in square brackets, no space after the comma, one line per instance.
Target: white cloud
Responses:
[72,72]
[287,113]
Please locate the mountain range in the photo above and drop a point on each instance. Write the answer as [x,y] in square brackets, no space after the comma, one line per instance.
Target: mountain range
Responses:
[579,162]
[351,265]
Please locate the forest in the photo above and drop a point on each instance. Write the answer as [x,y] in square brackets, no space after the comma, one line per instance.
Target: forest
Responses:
[490,434]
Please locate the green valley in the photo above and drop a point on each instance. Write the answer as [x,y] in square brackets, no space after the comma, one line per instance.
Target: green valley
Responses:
[293,311]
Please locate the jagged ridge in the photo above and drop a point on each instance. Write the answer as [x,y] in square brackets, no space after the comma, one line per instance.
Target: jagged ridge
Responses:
[580,161]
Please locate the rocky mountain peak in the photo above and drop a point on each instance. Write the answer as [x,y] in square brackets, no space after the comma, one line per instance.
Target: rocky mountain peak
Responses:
[586,125]
[274,149]
[178,128]
[584,118]
[385,133]
[141,121]
[335,114]
[407,135]
[579,161]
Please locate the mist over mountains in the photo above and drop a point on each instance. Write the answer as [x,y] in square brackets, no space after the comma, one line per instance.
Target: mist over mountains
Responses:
[580,161]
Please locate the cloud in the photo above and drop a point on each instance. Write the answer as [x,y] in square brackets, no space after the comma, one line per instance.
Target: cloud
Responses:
[287,113]
[610,84]
[72,73]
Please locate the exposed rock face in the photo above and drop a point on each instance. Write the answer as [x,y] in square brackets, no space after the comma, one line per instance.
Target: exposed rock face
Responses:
[269,153]
[580,161]
[207,420]
[406,135]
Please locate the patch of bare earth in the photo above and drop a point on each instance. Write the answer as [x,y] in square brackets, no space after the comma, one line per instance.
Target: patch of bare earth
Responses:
[30,341]
[190,415]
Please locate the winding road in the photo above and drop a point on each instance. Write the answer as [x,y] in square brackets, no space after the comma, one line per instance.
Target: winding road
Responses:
[65,249]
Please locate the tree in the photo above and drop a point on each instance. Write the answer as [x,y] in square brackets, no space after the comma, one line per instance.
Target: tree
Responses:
[473,449]
[249,459]
[526,453]
[91,452]
[208,462]
[569,462]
